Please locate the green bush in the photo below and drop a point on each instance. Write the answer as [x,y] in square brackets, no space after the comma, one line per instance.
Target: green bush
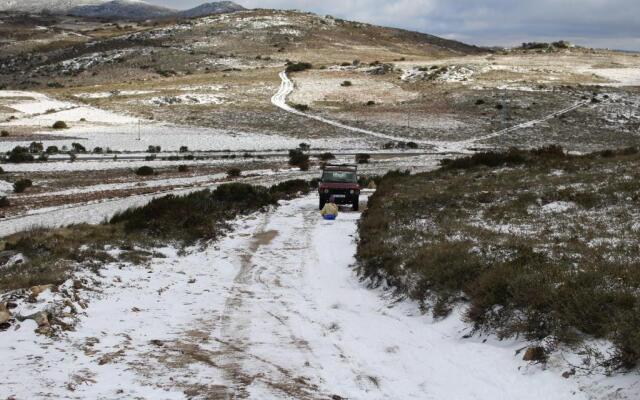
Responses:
[21,185]
[60,125]
[145,171]
[4,202]
[487,159]
[52,150]
[326,156]
[78,148]
[298,67]
[20,154]
[234,172]
[362,158]
[289,189]
[299,158]
[183,168]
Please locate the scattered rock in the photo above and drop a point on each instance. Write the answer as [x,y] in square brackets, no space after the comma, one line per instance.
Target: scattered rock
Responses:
[37,290]
[192,280]
[135,309]
[535,354]
[5,317]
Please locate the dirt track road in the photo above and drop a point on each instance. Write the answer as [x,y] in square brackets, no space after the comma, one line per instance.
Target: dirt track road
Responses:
[273,311]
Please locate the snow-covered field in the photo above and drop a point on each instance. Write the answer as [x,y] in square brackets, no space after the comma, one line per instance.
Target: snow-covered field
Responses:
[273,311]
[100,128]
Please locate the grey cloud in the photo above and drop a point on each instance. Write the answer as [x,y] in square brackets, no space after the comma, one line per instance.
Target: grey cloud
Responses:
[601,23]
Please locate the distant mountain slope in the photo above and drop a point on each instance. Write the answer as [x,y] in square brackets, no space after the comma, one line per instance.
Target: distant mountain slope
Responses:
[122,9]
[41,5]
[220,7]
[117,9]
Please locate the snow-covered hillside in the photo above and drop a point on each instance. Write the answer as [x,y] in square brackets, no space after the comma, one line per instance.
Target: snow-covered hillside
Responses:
[39,5]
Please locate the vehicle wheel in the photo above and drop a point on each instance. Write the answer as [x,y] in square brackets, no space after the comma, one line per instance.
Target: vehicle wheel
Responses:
[322,203]
[356,204]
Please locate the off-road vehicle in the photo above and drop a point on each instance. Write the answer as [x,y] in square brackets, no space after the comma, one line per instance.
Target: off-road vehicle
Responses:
[340,181]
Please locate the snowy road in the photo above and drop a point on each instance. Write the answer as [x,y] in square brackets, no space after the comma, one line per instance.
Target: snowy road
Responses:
[273,311]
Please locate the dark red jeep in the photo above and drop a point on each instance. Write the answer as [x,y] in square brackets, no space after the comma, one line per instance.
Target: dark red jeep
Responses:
[340,181]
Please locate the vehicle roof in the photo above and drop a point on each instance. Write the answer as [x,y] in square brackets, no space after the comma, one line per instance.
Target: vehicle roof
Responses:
[341,167]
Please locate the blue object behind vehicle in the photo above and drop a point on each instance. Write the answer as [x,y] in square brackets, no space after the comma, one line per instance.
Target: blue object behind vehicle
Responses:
[329,217]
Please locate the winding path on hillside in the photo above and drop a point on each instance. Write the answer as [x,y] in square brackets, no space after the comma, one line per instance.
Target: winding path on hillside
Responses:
[287,87]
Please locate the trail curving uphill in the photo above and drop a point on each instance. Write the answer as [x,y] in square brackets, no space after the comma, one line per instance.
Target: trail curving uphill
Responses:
[287,87]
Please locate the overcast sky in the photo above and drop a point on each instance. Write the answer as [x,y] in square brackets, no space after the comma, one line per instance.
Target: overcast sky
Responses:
[596,23]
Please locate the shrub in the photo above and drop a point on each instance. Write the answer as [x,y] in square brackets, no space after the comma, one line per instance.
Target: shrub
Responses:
[371,103]
[78,148]
[298,67]
[412,145]
[60,125]
[288,189]
[1,170]
[326,156]
[36,147]
[298,158]
[154,149]
[20,154]
[304,146]
[234,172]
[184,149]
[480,102]
[98,150]
[4,133]
[183,168]
[300,107]
[151,157]
[4,202]
[362,158]
[346,84]
[145,171]
[488,159]
[52,150]
[21,185]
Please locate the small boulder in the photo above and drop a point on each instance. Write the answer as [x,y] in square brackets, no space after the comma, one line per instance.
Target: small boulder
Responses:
[5,316]
[535,354]
[37,290]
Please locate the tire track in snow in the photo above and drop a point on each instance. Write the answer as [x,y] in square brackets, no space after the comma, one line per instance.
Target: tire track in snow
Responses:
[287,87]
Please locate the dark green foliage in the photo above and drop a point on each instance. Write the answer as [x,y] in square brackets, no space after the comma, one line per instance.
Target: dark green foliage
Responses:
[234,172]
[298,67]
[291,188]
[362,158]
[300,107]
[60,125]
[4,202]
[20,154]
[183,168]
[36,147]
[78,148]
[199,215]
[487,159]
[326,156]
[52,150]
[21,185]
[420,236]
[145,171]
[299,158]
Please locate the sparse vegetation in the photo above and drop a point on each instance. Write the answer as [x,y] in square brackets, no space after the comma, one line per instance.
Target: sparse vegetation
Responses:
[21,185]
[346,84]
[60,125]
[234,172]
[145,171]
[299,158]
[362,158]
[298,67]
[19,155]
[492,237]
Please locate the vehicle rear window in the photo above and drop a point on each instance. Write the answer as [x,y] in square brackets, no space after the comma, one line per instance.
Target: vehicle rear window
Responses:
[339,176]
